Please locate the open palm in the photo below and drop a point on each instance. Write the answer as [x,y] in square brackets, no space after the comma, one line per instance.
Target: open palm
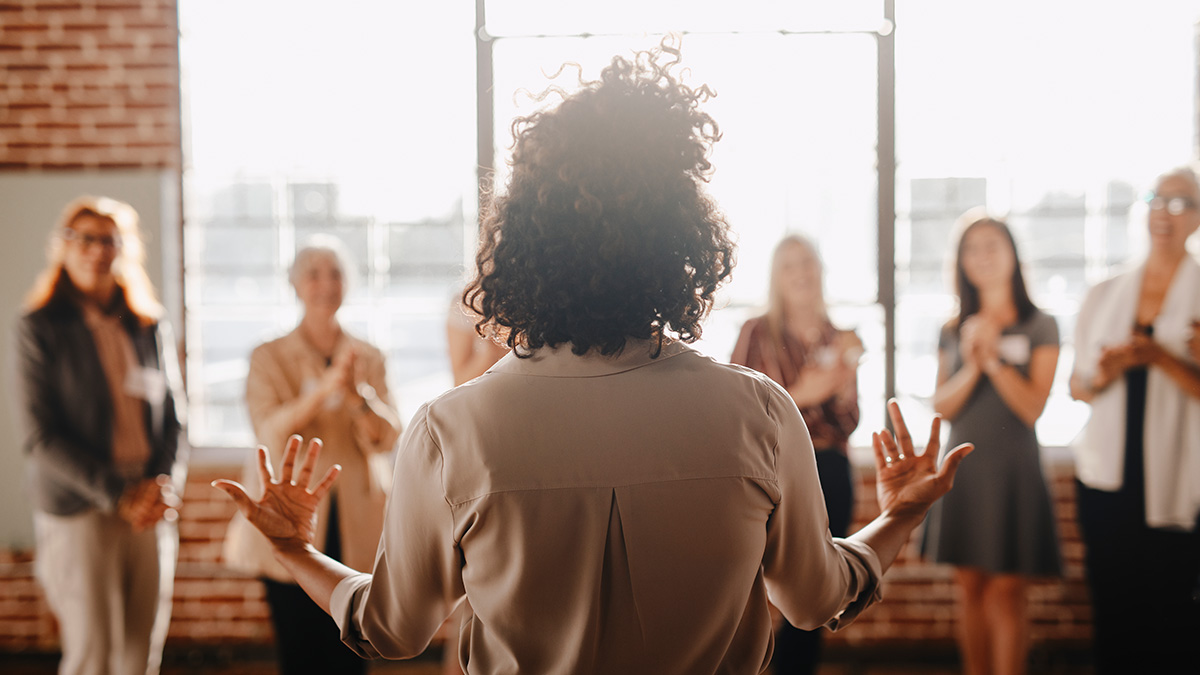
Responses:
[287,511]
[907,482]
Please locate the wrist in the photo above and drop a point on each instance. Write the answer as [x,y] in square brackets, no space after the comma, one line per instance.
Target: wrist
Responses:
[284,548]
[908,515]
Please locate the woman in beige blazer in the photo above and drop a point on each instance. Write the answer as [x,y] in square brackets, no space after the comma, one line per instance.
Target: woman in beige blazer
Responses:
[319,381]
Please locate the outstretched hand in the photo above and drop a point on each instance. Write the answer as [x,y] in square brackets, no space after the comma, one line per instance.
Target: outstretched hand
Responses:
[287,512]
[908,483]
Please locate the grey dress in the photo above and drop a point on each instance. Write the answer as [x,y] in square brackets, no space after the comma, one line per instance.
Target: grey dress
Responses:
[998,517]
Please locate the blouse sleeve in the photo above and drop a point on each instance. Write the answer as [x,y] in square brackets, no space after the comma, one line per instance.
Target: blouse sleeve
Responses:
[376,376]
[741,351]
[812,577]
[416,582]
[1044,332]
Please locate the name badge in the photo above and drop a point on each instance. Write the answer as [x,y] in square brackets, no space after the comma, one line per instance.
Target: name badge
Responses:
[1014,349]
[148,384]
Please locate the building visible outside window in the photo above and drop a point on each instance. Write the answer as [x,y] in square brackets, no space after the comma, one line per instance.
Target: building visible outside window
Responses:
[358,119]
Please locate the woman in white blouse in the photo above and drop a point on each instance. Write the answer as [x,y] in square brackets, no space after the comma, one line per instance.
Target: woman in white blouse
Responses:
[1138,460]
[605,499]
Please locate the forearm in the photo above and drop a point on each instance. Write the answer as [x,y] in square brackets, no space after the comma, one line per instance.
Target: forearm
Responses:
[951,395]
[289,417]
[1021,395]
[1185,375]
[887,535]
[317,573]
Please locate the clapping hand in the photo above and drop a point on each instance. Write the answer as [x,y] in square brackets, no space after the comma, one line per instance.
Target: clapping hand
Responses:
[287,512]
[908,483]
[979,340]
[148,501]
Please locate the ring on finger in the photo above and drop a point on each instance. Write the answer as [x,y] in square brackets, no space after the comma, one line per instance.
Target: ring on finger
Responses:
[887,459]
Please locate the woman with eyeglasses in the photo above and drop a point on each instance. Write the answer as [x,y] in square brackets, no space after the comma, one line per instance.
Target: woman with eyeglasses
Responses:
[996,527]
[101,399]
[796,345]
[1138,459]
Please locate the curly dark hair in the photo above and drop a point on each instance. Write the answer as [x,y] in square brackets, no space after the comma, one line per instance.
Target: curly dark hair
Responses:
[605,233]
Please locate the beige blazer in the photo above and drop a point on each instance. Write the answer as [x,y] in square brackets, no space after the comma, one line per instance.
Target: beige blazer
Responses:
[280,371]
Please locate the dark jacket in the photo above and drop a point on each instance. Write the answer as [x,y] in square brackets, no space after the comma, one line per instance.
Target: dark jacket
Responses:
[67,410]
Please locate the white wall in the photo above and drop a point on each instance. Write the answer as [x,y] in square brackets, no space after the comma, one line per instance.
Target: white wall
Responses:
[29,206]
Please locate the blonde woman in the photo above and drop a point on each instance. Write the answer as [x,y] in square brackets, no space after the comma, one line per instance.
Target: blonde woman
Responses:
[797,346]
[100,387]
[321,381]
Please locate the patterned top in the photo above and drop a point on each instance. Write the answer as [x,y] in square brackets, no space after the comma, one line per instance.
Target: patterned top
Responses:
[831,421]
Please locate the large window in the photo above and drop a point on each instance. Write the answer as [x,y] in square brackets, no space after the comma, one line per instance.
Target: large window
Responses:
[354,119]
[798,146]
[1056,115]
[359,119]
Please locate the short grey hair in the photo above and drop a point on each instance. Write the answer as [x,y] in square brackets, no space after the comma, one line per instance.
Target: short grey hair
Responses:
[1184,171]
[323,245]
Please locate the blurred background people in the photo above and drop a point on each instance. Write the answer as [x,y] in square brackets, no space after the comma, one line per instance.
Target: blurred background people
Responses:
[608,500]
[797,346]
[1138,460]
[996,363]
[102,408]
[319,381]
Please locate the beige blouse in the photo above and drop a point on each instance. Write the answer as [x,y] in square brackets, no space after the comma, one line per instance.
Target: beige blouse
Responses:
[606,515]
[280,371]
[130,445]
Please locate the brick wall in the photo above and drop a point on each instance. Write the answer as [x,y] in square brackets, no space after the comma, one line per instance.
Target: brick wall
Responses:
[90,84]
[215,607]
[919,597]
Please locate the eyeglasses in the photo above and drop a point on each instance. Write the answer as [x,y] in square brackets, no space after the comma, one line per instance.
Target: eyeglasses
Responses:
[1173,205]
[110,242]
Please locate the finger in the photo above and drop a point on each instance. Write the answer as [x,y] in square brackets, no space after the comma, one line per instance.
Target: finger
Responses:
[265,475]
[903,438]
[953,458]
[327,481]
[889,443]
[935,438]
[289,459]
[881,456]
[237,493]
[310,462]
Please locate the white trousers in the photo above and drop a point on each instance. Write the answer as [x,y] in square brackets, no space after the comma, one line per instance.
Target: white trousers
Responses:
[110,589]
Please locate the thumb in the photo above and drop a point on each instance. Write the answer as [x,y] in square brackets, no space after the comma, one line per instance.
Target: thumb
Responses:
[953,458]
[237,493]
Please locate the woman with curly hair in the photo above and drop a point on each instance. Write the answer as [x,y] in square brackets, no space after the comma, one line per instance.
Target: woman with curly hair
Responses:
[604,499]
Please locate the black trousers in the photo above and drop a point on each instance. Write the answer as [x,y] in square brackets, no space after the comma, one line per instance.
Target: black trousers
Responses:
[798,651]
[307,639]
[1143,585]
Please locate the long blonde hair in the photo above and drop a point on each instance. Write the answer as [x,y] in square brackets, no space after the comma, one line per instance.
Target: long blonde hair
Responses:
[775,309]
[128,268]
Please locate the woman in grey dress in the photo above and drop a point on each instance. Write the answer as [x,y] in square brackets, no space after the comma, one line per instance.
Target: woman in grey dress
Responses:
[996,364]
